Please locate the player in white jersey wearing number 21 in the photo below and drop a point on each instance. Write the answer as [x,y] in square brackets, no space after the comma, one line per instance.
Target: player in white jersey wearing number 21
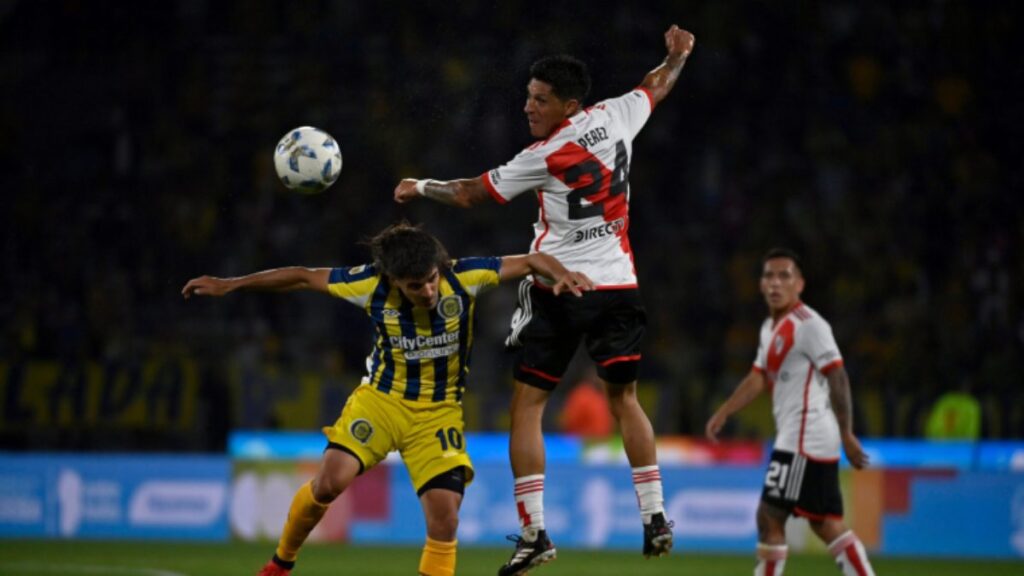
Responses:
[799,364]
[579,171]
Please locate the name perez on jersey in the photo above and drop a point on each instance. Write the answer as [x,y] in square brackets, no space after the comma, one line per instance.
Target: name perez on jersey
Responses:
[599,231]
[593,137]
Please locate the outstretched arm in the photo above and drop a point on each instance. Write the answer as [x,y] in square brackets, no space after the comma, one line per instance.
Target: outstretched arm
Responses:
[750,388]
[462,193]
[660,81]
[842,405]
[278,280]
[548,266]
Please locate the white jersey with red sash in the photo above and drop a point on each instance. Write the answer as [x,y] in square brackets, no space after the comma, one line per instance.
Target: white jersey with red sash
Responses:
[580,174]
[795,354]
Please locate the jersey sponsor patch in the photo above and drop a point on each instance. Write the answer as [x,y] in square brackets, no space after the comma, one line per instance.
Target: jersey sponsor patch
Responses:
[600,231]
[361,430]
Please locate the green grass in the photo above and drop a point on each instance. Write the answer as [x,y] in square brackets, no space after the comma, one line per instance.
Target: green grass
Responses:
[35,558]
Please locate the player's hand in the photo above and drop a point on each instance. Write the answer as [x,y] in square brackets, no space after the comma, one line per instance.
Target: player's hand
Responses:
[575,282]
[406,191]
[714,426]
[206,286]
[679,42]
[855,452]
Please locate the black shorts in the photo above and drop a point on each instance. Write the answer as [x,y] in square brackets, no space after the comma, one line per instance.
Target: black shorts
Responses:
[804,487]
[546,330]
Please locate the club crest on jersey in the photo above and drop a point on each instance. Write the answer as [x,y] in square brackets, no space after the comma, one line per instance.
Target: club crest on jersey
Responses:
[779,344]
[361,430]
[450,307]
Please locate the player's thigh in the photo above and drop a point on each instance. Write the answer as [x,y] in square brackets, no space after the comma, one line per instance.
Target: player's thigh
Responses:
[435,443]
[369,426]
[614,333]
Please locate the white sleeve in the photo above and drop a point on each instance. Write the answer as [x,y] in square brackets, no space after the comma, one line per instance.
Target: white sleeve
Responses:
[819,344]
[632,109]
[527,171]
[761,360]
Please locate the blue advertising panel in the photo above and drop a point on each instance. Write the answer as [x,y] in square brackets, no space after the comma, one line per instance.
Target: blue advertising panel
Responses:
[110,496]
[589,507]
[969,514]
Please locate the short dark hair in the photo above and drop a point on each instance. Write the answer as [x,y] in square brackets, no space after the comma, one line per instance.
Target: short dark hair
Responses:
[568,76]
[779,252]
[407,252]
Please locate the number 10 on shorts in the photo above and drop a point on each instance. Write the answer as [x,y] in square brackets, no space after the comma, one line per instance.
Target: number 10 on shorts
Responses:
[450,437]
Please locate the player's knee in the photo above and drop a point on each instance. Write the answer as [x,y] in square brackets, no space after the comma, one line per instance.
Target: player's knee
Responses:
[621,399]
[327,487]
[771,524]
[828,530]
[443,524]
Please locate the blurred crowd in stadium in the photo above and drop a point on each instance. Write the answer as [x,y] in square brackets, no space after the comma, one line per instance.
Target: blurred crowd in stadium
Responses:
[881,141]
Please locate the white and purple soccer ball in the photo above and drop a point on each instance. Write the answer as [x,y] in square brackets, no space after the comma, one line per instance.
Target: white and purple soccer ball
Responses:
[307,160]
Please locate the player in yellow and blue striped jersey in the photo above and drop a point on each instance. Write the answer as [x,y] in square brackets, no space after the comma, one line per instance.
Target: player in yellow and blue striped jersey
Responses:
[422,305]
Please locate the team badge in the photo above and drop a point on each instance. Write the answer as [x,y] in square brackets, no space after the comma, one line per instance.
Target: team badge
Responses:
[357,269]
[361,430]
[450,307]
[780,342]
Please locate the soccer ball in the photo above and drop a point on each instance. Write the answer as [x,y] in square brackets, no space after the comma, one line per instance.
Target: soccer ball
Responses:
[307,160]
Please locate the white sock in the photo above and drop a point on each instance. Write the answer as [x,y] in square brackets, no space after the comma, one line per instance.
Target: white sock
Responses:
[647,483]
[771,559]
[529,493]
[850,555]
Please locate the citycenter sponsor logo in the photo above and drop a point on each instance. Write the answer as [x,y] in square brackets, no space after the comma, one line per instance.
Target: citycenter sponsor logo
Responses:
[600,231]
[432,346]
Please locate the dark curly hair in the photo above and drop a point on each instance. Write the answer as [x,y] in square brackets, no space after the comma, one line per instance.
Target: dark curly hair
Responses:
[568,76]
[407,252]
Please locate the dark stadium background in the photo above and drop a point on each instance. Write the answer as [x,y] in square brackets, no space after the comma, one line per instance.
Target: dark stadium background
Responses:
[881,140]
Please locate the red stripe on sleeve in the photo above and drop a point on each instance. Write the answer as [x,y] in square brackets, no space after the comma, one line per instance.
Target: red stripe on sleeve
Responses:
[486,178]
[831,366]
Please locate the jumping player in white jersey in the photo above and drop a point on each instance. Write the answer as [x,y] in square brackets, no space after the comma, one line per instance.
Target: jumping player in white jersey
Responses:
[579,171]
[799,364]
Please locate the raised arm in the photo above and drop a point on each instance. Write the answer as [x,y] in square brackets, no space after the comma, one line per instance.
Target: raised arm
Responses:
[659,82]
[463,193]
[749,389]
[548,266]
[842,405]
[277,280]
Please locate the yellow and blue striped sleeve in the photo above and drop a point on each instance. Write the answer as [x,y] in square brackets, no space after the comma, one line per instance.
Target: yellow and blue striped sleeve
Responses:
[477,274]
[355,284]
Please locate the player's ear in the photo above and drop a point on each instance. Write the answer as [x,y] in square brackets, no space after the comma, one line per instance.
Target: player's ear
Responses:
[572,106]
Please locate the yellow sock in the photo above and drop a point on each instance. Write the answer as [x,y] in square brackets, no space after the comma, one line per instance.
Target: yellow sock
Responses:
[438,558]
[302,518]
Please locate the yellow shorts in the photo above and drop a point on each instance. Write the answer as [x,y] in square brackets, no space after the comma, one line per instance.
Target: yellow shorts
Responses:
[428,435]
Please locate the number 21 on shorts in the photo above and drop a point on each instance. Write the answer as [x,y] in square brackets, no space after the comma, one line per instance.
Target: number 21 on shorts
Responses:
[777,475]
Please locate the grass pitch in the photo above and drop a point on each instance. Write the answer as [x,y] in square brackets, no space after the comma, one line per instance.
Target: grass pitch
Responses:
[35,558]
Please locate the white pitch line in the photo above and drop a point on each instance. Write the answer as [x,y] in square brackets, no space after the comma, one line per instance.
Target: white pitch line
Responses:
[39,568]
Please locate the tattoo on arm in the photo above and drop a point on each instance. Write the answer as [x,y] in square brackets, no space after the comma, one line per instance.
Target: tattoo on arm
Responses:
[665,75]
[839,395]
[443,192]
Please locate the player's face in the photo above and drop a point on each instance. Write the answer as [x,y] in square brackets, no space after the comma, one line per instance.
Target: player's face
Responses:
[781,284]
[544,110]
[422,292]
